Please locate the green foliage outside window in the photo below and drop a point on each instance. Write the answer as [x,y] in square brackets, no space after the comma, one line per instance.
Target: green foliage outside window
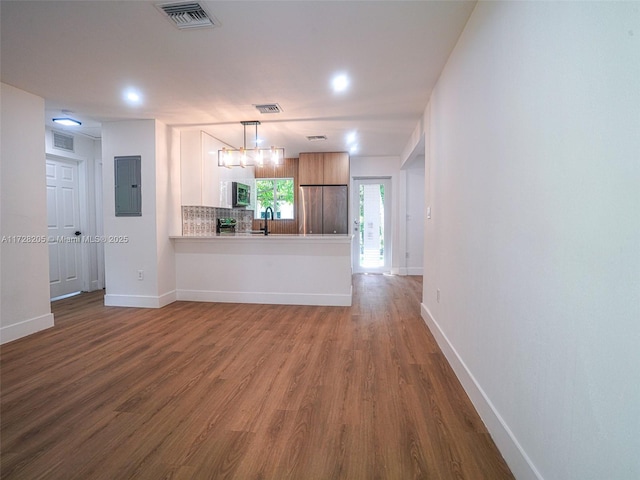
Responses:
[276,193]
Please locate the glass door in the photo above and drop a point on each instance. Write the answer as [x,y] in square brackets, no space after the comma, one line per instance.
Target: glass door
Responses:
[372,222]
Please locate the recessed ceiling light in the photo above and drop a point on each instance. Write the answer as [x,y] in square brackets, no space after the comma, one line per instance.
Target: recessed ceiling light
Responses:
[351,137]
[132,97]
[354,148]
[67,122]
[340,82]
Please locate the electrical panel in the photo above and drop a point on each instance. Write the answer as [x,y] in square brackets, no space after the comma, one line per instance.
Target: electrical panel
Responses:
[128,188]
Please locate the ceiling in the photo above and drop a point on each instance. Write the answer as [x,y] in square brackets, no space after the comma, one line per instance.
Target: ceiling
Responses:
[81,56]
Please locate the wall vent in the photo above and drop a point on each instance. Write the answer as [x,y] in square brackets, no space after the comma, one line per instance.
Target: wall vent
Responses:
[269,108]
[316,138]
[62,141]
[185,15]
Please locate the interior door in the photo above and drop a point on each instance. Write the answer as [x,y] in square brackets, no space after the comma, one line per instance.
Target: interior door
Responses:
[63,220]
[372,225]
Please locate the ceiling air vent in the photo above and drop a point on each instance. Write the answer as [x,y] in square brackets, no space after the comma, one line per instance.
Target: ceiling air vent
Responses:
[62,141]
[186,15]
[269,108]
[316,138]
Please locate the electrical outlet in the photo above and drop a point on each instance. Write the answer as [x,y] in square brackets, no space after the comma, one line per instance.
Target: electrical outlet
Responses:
[438,295]
[140,274]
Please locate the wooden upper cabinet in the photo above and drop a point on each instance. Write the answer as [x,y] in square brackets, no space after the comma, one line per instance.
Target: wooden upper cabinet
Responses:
[310,169]
[336,168]
[323,168]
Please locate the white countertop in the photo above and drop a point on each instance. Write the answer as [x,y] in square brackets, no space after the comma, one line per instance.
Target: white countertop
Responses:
[244,237]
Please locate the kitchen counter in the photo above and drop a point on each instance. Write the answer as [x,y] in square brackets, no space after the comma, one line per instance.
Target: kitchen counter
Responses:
[270,237]
[272,269]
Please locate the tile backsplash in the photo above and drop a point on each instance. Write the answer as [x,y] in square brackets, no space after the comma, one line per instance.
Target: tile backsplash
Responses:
[199,221]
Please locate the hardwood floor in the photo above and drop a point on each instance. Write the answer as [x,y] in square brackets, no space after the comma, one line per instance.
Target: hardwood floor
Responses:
[203,390]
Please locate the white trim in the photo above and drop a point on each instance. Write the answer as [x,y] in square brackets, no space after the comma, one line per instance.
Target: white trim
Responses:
[81,196]
[27,327]
[414,271]
[83,203]
[336,300]
[403,271]
[519,462]
[99,225]
[140,301]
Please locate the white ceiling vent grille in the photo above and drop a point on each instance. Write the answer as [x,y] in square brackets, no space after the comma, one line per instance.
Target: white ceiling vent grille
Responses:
[269,108]
[316,138]
[62,141]
[185,15]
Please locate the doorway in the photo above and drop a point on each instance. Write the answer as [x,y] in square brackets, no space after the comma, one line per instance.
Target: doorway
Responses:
[63,223]
[372,225]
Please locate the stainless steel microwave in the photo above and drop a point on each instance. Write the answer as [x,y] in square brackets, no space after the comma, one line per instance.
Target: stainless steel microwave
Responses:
[241,194]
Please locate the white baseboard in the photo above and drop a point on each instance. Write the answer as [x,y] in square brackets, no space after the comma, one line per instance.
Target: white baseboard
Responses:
[519,462]
[341,300]
[403,271]
[18,330]
[140,301]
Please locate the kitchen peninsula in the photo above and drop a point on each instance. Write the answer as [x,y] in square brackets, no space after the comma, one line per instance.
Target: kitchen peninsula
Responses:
[273,269]
[241,267]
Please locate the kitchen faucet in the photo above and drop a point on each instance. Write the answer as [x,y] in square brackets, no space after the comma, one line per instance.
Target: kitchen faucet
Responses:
[266,218]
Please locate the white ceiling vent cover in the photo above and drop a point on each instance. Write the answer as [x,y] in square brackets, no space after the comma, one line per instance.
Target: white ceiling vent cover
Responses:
[316,138]
[269,108]
[62,141]
[186,15]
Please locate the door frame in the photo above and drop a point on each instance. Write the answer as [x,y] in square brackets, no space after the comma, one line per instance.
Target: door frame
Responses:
[83,213]
[388,234]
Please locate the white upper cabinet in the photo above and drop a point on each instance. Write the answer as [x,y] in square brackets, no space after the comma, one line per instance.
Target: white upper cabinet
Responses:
[202,181]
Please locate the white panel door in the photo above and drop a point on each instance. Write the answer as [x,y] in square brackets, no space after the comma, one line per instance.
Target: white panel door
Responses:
[63,221]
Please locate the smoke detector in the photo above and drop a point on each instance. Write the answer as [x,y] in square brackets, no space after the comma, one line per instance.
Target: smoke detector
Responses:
[186,15]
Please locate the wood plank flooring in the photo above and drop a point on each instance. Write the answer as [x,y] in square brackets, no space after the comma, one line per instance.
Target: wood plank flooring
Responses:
[203,390]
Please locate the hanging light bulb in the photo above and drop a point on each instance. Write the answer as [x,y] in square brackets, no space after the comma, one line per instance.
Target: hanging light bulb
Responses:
[274,156]
[260,159]
[227,157]
[243,157]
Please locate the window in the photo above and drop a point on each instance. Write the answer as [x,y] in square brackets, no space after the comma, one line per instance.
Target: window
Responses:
[276,193]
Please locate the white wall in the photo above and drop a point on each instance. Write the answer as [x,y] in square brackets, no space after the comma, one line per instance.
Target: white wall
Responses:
[148,248]
[534,240]
[24,280]
[415,212]
[168,209]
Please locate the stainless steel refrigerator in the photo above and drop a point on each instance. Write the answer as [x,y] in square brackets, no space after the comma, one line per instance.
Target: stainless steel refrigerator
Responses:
[323,210]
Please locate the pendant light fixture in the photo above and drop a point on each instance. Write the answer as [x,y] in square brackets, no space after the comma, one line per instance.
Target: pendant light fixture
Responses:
[243,157]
